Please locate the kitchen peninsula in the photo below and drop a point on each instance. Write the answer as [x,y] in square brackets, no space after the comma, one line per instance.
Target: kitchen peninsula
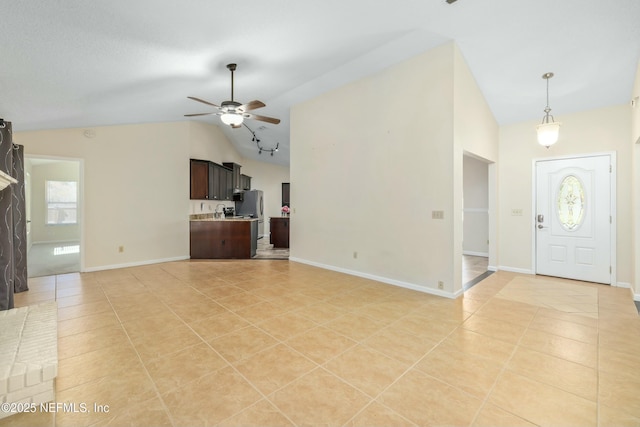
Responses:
[222,238]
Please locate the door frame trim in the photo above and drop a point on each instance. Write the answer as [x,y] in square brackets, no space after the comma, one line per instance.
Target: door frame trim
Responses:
[81,195]
[612,206]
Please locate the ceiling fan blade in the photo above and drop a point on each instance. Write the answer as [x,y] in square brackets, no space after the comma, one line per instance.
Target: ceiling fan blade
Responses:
[203,101]
[252,105]
[263,118]
[198,114]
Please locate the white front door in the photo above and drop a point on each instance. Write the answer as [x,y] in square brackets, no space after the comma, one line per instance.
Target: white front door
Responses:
[573,218]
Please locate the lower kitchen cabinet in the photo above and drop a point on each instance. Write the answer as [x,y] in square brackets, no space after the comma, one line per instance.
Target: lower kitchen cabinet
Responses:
[279,227]
[224,239]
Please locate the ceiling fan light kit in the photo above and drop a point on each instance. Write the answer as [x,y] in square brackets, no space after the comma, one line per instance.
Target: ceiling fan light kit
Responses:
[549,130]
[232,119]
[233,113]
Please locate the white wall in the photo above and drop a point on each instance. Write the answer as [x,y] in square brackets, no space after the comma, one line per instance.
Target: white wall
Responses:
[595,131]
[370,161]
[136,185]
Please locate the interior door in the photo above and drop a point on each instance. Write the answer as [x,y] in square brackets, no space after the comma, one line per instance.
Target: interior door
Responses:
[573,218]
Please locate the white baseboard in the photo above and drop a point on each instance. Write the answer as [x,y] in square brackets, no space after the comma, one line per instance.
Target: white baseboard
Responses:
[55,242]
[134,264]
[516,270]
[472,253]
[622,285]
[386,280]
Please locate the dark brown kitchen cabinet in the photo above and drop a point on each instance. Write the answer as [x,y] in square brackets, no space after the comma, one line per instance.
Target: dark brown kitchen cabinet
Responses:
[235,184]
[199,179]
[229,184]
[224,239]
[245,182]
[279,227]
[211,181]
[219,182]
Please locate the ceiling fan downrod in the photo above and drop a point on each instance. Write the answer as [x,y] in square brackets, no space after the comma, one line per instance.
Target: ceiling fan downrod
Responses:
[232,68]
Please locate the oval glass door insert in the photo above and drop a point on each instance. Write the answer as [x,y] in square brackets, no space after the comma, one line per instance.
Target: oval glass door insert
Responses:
[571,203]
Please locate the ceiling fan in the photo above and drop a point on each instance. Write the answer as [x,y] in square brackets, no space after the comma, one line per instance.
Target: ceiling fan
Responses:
[233,113]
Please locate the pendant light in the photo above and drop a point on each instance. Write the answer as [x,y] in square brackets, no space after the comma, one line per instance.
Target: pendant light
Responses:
[549,129]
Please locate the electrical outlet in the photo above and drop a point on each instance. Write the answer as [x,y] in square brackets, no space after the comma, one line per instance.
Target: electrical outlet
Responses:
[440,284]
[120,248]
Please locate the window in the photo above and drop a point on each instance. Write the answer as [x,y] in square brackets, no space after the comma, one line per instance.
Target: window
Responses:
[571,203]
[62,202]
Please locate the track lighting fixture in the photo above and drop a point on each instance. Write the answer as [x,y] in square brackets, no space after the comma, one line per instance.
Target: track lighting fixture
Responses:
[257,141]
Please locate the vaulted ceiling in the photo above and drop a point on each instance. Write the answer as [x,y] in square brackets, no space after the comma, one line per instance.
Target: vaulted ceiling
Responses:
[78,63]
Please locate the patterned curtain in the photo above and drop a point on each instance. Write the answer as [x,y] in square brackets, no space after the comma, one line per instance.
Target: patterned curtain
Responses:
[19,222]
[13,229]
[6,220]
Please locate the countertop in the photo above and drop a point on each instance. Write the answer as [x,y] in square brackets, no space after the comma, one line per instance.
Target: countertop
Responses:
[209,217]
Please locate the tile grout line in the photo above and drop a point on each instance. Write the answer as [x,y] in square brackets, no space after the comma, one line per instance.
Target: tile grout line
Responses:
[144,366]
[502,371]
[413,366]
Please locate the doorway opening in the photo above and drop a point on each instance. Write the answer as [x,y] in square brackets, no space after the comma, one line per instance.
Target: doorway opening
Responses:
[475,220]
[53,189]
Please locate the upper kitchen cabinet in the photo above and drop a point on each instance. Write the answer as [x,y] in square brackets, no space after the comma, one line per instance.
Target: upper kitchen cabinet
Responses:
[245,182]
[235,176]
[199,179]
[210,181]
[220,180]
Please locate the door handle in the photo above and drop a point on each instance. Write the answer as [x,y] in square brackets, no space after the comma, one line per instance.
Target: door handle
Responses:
[540,226]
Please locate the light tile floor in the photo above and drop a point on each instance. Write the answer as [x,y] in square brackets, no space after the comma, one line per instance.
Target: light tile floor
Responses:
[45,259]
[473,266]
[278,343]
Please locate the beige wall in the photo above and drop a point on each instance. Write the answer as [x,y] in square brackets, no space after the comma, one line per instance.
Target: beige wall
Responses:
[136,185]
[595,131]
[635,147]
[476,134]
[370,161]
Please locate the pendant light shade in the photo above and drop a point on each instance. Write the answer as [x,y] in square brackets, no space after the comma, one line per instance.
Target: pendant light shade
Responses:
[549,129]
[548,133]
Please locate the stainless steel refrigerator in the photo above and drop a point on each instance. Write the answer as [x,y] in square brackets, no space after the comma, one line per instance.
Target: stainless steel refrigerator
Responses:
[252,204]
